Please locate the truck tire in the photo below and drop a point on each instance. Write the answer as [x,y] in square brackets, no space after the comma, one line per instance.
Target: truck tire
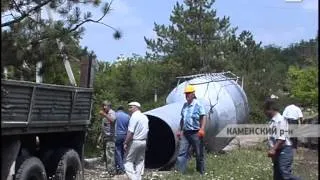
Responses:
[31,169]
[69,166]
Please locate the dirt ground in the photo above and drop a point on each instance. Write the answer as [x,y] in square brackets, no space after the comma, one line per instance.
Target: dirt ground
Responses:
[98,172]
[305,162]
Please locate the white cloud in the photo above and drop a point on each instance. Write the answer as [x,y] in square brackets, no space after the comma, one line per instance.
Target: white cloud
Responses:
[123,15]
[280,37]
[310,5]
[47,13]
[296,32]
[121,7]
[150,33]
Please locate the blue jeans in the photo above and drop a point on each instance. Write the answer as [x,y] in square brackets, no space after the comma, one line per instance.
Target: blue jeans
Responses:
[190,138]
[119,153]
[294,140]
[282,164]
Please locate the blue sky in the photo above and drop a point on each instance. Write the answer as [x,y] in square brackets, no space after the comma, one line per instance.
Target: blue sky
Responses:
[271,21]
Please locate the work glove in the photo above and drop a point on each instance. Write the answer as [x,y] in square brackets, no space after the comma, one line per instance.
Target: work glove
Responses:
[102,113]
[201,133]
[271,153]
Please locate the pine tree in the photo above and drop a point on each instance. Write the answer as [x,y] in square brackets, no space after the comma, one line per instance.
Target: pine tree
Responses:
[28,38]
[196,37]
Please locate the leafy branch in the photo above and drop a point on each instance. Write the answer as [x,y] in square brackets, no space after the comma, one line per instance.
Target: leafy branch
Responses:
[106,10]
[25,14]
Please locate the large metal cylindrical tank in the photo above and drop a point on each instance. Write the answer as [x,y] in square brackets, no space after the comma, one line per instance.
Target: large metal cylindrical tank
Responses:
[225,103]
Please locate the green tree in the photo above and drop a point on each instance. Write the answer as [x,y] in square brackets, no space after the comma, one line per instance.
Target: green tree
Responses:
[199,41]
[16,12]
[152,76]
[302,54]
[28,38]
[123,79]
[303,84]
[195,39]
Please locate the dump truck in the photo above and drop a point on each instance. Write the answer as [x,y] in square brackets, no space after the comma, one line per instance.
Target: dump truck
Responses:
[43,129]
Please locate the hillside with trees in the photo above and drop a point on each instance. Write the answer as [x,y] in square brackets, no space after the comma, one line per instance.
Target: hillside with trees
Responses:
[196,40]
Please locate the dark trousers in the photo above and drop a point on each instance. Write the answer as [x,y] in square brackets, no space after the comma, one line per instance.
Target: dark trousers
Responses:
[190,138]
[109,149]
[294,140]
[119,153]
[282,164]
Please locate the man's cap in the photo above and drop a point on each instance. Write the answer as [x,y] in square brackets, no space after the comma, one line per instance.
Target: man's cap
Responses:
[134,104]
[106,103]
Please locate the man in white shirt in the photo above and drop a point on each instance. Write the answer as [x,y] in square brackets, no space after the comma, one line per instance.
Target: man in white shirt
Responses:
[280,146]
[135,143]
[293,115]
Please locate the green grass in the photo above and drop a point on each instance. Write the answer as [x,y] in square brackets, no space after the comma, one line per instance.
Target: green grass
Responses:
[244,164]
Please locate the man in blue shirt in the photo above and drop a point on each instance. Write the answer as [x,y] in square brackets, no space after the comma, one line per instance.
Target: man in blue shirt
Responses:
[192,125]
[121,132]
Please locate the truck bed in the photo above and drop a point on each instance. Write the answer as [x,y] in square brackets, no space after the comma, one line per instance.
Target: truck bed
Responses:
[28,108]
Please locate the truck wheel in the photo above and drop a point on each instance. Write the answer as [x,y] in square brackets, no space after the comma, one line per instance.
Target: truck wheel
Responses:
[31,169]
[69,166]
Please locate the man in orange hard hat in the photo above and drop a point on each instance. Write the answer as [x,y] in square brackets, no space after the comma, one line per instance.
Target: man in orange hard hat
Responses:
[191,133]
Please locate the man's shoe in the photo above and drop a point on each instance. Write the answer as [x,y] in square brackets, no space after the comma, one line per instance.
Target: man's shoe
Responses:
[120,172]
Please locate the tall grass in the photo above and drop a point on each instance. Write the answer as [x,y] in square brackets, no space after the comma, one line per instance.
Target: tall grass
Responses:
[250,163]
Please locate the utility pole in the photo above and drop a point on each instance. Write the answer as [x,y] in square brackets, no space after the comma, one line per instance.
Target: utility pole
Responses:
[66,63]
[5,72]
[155,95]
[38,76]
[39,64]
[87,71]
[242,82]
[202,58]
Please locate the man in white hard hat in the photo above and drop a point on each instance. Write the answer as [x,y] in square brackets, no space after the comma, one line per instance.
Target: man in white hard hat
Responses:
[136,141]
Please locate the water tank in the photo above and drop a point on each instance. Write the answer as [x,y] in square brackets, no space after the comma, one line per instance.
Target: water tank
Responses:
[225,103]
